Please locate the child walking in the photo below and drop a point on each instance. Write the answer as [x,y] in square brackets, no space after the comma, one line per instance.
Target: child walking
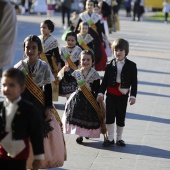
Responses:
[80,117]
[50,53]
[19,122]
[119,86]
[39,92]
[49,42]
[85,40]
[69,54]
[74,20]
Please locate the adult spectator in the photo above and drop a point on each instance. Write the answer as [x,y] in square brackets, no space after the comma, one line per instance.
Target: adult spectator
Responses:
[166,10]
[136,9]
[66,9]
[127,4]
[8,32]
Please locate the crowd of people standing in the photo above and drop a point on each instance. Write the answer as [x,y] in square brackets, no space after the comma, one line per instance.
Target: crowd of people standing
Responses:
[31,129]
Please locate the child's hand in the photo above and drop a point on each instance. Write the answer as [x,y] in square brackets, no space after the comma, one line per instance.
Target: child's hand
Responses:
[36,164]
[132,101]
[66,66]
[100,98]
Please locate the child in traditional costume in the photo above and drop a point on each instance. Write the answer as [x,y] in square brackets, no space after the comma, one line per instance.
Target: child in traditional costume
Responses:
[50,52]
[82,115]
[19,122]
[69,54]
[120,81]
[74,20]
[85,40]
[95,30]
[39,91]
[105,29]
[98,10]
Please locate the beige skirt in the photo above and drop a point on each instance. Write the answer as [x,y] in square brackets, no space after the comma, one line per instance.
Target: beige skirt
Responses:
[54,146]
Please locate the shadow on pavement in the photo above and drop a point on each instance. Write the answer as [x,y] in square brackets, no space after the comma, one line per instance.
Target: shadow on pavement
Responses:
[153,94]
[151,71]
[147,118]
[132,149]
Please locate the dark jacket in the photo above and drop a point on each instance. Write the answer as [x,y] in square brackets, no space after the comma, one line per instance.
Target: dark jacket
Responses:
[128,76]
[27,123]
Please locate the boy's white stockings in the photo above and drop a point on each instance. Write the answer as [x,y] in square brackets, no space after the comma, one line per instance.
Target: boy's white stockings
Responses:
[119,133]
[110,130]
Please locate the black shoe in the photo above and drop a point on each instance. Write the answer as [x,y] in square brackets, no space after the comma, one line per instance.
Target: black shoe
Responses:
[79,140]
[108,143]
[120,143]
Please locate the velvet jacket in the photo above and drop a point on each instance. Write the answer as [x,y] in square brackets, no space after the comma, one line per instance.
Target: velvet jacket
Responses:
[27,123]
[128,77]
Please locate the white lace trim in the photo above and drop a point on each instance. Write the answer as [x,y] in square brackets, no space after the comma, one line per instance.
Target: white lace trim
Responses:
[42,71]
[91,77]
[49,44]
[94,17]
[87,39]
[74,54]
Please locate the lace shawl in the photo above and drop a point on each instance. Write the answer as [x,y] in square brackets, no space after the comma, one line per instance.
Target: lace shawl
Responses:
[48,44]
[43,74]
[90,78]
[74,21]
[94,17]
[74,54]
[87,39]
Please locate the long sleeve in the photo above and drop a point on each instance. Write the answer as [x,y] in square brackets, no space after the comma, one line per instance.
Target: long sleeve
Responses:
[95,86]
[104,83]
[8,34]
[91,45]
[48,95]
[76,29]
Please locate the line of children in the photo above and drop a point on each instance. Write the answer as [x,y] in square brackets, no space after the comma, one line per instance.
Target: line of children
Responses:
[119,86]
[75,119]
[96,31]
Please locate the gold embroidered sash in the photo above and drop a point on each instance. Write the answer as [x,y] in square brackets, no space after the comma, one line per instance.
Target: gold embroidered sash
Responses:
[38,93]
[83,45]
[55,84]
[92,25]
[55,70]
[71,64]
[44,58]
[93,102]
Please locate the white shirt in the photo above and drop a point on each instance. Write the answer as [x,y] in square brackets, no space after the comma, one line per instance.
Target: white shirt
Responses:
[120,65]
[12,147]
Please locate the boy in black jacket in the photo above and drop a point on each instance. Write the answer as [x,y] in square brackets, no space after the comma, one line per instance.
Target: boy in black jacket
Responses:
[19,123]
[120,81]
